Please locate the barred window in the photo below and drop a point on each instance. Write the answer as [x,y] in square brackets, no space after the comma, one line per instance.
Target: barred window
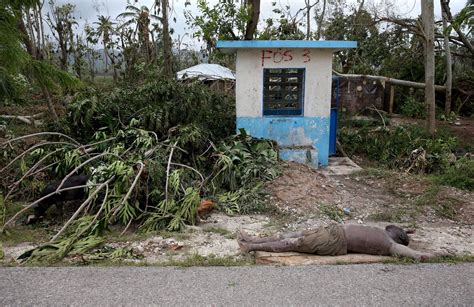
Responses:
[283,91]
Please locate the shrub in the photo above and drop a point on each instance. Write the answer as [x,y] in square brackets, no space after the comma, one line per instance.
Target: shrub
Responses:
[405,147]
[413,108]
[459,175]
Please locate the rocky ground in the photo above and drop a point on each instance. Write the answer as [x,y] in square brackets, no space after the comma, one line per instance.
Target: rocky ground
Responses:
[441,217]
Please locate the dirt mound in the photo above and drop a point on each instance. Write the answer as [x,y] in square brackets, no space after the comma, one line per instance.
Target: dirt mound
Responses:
[301,188]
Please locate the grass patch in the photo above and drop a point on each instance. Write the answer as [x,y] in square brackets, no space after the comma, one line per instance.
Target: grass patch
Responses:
[443,259]
[211,260]
[447,208]
[443,206]
[459,175]
[429,197]
[394,216]
[221,231]
[332,212]
[23,233]
[114,235]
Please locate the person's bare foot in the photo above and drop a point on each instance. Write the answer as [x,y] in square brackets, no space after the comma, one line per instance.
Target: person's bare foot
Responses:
[244,246]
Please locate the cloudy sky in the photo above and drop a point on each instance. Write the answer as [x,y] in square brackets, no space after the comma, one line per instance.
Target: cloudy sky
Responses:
[88,10]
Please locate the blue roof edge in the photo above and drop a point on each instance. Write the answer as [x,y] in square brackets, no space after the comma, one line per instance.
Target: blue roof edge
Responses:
[286,44]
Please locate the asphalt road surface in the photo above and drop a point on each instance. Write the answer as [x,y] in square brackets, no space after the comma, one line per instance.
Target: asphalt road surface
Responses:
[423,284]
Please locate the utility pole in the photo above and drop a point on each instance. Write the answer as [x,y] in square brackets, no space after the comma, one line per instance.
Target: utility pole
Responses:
[427,13]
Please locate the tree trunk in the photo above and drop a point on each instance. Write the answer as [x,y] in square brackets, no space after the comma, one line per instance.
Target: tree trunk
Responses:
[31,33]
[253,21]
[320,21]
[449,65]
[106,55]
[427,12]
[44,51]
[168,59]
[26,37]
[63,46]
[50,103]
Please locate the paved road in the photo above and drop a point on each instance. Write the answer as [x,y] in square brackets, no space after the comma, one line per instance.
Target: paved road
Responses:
[424,284]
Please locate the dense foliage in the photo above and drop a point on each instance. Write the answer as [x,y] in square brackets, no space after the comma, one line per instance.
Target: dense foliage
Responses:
[162,106]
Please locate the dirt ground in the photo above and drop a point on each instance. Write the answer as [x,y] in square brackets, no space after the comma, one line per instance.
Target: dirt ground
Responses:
[442,218]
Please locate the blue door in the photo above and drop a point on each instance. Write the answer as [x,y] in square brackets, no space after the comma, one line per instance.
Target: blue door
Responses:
[333,119]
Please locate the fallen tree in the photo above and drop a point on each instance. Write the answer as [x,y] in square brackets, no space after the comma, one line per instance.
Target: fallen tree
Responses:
[134,178]
[27,119]
[383,79]
[151,153]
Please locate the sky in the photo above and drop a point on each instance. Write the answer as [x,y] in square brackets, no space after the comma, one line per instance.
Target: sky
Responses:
[88,10]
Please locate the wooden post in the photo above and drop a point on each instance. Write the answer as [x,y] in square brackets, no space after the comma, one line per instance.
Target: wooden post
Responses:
[392,97]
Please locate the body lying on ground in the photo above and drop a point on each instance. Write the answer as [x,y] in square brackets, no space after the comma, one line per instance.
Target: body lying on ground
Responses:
[334,240]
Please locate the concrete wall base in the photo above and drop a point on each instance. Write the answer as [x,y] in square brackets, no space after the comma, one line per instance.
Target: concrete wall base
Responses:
[307,156]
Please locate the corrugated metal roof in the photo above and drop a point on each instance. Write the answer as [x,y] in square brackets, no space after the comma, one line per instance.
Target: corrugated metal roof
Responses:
[206,72]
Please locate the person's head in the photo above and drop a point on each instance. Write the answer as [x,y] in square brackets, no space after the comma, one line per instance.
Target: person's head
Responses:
[397,234]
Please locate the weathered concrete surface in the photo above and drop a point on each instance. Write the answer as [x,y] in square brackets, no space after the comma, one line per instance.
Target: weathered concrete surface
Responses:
[306,259]
[343,285]
[318,79]
[341,166]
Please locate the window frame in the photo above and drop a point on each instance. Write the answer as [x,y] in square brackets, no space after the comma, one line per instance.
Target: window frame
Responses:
[301,92]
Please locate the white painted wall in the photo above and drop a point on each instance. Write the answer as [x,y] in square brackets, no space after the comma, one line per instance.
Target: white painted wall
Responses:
[249,72]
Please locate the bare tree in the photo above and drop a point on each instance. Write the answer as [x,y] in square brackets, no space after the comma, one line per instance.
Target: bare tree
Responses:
[61,21]
[427,12]
[28,37]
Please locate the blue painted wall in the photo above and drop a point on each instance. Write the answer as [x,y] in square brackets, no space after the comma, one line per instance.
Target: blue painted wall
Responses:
[291,131]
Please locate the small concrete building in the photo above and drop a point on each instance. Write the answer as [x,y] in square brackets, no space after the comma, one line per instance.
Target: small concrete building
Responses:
[283,93]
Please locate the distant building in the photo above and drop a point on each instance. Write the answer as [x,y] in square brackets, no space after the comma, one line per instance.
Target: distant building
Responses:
[216,76]
[283,93]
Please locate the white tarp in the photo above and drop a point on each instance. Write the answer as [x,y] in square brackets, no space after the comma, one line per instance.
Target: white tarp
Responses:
[206,72]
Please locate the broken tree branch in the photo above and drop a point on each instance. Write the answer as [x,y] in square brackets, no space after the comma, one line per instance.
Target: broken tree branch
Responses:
[29,172]
[38,134]
[29,120]
[38,201]
[73,217]
[31,149]
[134,183]
[168,170]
